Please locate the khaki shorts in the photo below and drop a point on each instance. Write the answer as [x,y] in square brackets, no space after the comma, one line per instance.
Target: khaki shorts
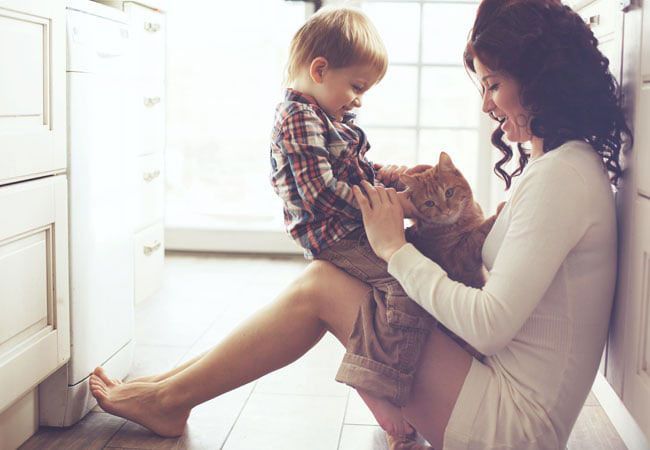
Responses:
[390,329]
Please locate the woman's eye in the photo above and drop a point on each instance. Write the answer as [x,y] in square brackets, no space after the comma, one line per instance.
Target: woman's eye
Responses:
[494,87]
[449,192]
[357,88]
[429,203]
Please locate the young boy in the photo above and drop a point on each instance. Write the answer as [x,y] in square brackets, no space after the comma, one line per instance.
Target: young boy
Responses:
[317,155]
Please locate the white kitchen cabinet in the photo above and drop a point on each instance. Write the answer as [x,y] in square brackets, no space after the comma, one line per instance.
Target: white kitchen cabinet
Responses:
[636,394]
[34,300]
[645,44]
[146,137]
[642,144]
[32,89]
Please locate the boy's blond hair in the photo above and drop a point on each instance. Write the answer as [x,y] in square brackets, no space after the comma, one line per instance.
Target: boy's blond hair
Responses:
[343,35]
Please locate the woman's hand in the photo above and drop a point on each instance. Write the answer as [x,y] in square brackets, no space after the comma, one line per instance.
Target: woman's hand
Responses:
[383,218]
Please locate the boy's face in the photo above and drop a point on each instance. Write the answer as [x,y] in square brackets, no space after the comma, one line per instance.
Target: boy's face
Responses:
[340,90]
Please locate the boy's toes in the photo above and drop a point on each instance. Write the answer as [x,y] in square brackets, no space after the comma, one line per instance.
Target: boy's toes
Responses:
[99,371]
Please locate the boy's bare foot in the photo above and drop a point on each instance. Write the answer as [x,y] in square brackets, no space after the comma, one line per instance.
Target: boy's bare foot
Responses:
[408,442]
[388,416]
[139,402]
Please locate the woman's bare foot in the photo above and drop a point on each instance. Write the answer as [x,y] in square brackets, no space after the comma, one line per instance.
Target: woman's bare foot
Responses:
[388,416]
[141,402]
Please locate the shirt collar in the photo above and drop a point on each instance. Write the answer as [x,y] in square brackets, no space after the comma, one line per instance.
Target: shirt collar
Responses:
[297,96]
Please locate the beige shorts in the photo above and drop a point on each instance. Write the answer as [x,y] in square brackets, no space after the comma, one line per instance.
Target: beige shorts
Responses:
[390,329]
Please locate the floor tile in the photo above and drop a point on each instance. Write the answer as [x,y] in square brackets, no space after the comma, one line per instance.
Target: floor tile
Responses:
[92,432]
[288,422]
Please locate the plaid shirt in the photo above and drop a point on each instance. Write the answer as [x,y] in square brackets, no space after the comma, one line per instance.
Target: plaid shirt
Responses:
[315,160]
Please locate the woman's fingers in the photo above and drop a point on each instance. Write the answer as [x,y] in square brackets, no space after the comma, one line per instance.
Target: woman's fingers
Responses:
[371,193]
[392,196]
[362,200]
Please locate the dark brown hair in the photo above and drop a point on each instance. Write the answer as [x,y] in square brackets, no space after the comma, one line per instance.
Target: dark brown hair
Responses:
[565,82]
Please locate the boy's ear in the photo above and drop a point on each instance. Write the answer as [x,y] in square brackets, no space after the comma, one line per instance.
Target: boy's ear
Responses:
[317,69]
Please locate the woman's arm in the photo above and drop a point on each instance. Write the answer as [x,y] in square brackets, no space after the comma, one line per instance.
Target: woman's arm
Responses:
[548,218]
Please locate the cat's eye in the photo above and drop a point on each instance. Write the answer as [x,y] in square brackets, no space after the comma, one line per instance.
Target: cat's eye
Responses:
[429,203]
[449,193]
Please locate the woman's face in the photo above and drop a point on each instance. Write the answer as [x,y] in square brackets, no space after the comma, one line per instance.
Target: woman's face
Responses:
[501,101]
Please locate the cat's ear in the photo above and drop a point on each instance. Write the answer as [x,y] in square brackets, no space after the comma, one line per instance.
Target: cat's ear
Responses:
[410,181]
[444,162]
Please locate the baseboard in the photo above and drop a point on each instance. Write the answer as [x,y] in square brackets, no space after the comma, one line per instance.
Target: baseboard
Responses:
[231,241]
[19,422]
[618,414]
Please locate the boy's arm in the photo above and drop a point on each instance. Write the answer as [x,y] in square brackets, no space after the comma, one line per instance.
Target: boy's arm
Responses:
[303,141]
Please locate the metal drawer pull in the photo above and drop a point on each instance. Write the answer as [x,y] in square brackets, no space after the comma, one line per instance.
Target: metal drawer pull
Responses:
[150,176]
[151,27]
[593,21]
[149,249]
[151,101]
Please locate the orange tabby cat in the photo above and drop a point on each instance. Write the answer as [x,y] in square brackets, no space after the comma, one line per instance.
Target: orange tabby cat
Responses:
[452,228]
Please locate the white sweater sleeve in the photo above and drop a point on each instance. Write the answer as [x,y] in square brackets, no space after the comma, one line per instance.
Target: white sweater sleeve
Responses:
[548,216]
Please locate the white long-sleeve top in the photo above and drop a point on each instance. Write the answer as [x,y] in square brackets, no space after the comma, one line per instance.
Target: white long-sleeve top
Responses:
[542,317]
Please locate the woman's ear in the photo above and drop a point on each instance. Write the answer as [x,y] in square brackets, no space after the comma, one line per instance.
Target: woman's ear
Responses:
[317,69]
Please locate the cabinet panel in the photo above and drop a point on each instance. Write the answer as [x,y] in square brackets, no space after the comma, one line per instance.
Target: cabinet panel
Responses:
[147,124]
[636,394]
[24,287]
[32,89]
[34,299]
[149,261]
[645,43]
[642,140]
[602,16]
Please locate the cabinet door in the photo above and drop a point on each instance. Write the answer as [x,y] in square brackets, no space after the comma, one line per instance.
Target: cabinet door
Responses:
[34,323]
[636,394]
[645,43]
[32,88]
[642,141]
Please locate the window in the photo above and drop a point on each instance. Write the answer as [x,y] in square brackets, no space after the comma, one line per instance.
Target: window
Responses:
[224,78]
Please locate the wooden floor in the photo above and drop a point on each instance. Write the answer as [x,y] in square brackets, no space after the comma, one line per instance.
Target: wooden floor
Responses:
[296,408]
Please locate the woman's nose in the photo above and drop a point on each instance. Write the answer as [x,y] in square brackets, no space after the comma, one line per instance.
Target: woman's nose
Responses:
[357,102]
[488,104]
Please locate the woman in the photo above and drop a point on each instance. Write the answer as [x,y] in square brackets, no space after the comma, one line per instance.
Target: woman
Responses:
[542,317]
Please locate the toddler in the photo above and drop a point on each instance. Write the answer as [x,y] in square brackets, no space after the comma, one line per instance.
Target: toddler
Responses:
[317,154]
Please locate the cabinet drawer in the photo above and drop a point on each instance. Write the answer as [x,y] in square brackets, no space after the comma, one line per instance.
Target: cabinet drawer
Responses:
[150,179]
[32,89]
[148,37]
[149,261]
[34,305]
[147,128]
[642,140]
[602,16]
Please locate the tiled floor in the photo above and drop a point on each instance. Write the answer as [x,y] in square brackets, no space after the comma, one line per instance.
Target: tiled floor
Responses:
[299,407]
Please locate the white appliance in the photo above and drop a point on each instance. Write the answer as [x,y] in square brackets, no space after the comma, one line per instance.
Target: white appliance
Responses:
[101,211]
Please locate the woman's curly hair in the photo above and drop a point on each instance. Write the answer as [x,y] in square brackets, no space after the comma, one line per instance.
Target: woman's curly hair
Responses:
[564,79]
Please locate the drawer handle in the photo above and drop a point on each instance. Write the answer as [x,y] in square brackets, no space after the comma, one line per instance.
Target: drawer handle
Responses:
[151,101]
[151,27]
[149,249]
[593,21]
[150,176]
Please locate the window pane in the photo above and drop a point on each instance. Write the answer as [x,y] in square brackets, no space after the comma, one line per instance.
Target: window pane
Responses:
[401,41]
[391,146]
[461,146]
[449,98]
[393,101]
[224,77]
[445,30]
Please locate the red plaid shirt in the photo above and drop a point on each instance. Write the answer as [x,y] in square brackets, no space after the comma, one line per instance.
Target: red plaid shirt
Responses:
[315,160]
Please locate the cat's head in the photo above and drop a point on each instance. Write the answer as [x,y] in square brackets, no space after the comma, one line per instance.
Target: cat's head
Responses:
[441,193]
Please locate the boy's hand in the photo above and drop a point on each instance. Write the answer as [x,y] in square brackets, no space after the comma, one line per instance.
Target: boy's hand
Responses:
[389,176]
[410,211]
